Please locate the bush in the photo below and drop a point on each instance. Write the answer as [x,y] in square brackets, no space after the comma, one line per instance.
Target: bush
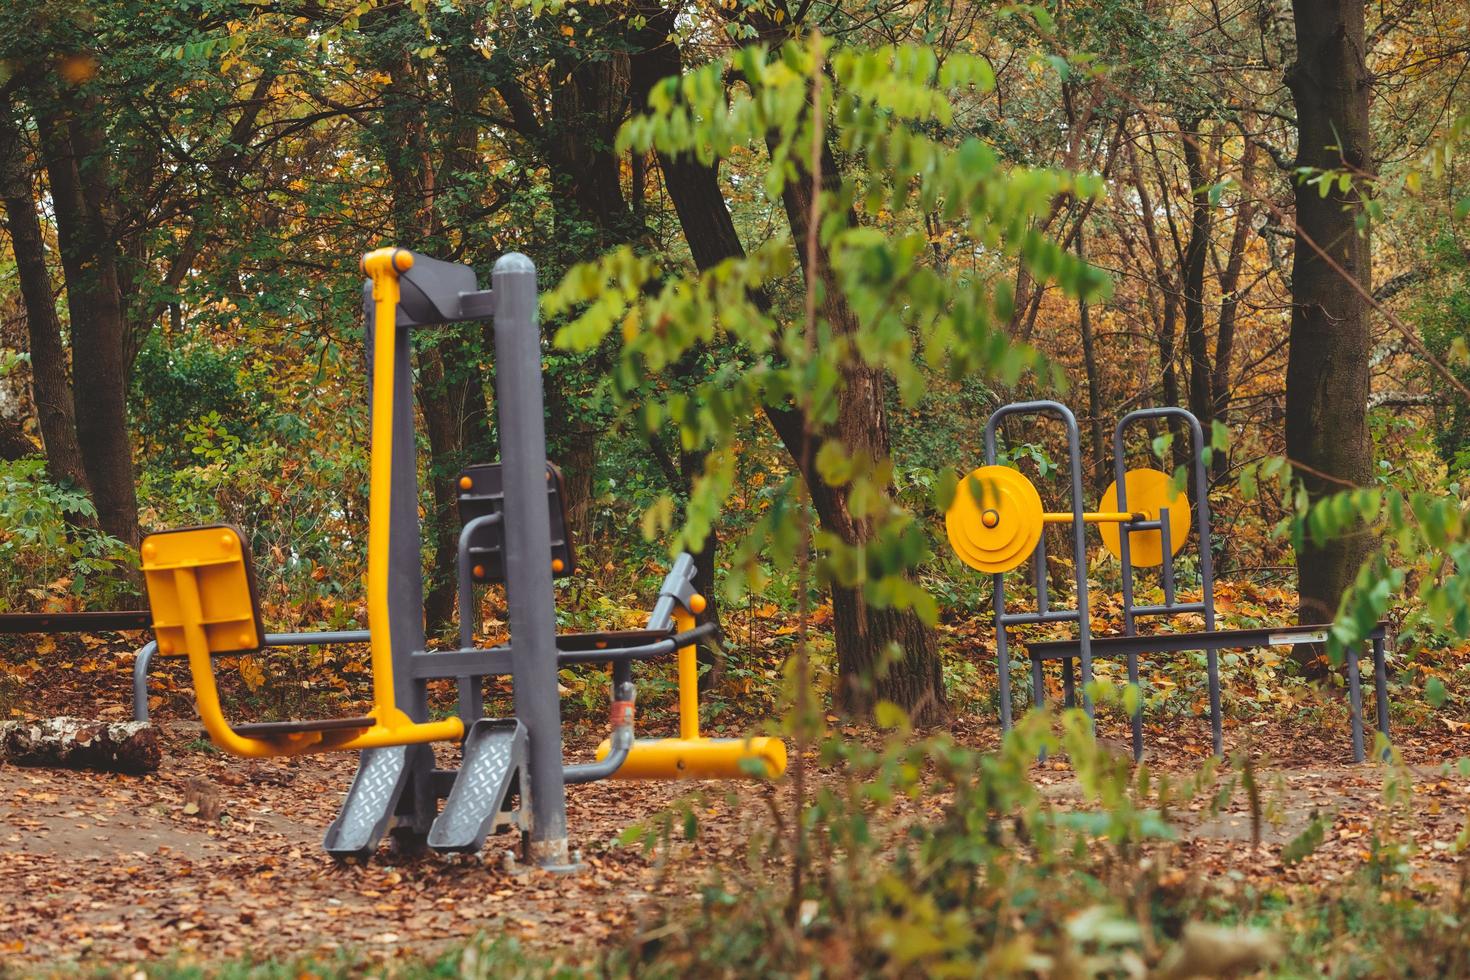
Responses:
[49,555]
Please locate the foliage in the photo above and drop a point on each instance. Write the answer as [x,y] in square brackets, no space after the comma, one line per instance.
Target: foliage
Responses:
[884,107]
[49,560]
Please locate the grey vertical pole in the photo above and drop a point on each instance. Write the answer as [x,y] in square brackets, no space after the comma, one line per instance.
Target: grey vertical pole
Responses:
[1207,575]
[1125,558]
[1380,687]
[1002,652]
[529,596]
[1079,558]
[1355,702]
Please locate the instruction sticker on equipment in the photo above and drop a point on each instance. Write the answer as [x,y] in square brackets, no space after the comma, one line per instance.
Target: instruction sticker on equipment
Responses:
[1292,639]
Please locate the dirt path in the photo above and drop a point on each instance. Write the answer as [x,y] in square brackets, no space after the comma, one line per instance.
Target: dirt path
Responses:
[100,868]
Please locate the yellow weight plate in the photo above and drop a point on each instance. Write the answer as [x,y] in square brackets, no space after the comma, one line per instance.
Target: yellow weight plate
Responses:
[1148,493]
[999,530]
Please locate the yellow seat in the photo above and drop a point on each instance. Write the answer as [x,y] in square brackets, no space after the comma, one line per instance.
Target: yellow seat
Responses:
[202,594]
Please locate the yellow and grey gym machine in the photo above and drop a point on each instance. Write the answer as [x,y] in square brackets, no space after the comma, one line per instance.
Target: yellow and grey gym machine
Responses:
[512,775]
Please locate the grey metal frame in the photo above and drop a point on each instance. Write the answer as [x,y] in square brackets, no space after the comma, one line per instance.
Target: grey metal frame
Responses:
[398,788]
[1130,645]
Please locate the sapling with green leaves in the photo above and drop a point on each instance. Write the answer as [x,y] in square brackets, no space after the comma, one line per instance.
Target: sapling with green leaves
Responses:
[888,320]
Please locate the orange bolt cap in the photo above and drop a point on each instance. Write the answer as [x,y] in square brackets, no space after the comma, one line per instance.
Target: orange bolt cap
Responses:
[478,571]
[465,483]
[557,565]
[697,604]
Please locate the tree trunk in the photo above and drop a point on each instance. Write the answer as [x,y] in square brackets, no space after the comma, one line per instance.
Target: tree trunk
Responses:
[863,633]
[75,743]
[1201,394]
[1327,373]
[1230,303]
[50,380]
[1100,448]
[81,189]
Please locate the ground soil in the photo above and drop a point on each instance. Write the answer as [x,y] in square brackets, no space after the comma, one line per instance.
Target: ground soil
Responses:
[101,869]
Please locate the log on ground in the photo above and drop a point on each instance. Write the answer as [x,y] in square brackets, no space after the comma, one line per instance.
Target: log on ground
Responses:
[78,743]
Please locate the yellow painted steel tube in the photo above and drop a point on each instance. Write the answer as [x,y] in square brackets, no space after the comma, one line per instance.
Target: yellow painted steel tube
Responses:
[688,679]
[206,693]
[383,267]
[1093,517]
[700,758]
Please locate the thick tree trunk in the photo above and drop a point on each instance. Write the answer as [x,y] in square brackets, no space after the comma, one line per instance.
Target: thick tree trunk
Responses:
[50,376]
[864,634]
[1327,373]
[80,180]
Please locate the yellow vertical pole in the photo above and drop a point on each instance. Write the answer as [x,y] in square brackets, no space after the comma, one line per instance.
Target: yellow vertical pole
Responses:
[688,680]
[383,267]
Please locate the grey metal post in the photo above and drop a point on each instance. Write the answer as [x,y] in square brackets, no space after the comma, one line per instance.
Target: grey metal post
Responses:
[1355,702]
[1002,652]
[532,612]
[1380,686]
[1206,558]
[1079,550]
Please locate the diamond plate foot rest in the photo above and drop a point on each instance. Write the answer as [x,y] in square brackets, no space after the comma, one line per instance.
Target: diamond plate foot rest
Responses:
[494,756]
[371,800]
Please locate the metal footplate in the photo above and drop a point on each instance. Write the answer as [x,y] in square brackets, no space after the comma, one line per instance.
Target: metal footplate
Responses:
[494,764]
[368,810]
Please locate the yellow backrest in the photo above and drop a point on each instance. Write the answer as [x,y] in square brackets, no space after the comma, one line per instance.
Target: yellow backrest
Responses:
[226,609]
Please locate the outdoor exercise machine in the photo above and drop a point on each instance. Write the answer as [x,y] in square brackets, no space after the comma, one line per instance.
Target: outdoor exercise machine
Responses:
[996,522]
[201,593]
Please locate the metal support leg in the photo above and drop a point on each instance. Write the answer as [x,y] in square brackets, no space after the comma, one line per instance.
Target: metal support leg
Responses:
[1212,667]
[1136,716]
[1380,687]
[1355,703]
[1038,685]
[1002,659]
[532,612]
[141,662]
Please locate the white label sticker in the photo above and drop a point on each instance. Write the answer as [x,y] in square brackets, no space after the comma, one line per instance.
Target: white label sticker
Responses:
[1292,639]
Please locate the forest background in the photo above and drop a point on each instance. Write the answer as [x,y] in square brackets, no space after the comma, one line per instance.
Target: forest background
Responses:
[186,189]
[1255,210]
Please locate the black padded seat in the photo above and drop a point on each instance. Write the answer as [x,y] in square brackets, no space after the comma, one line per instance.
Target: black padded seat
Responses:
[1122,646]
[610,640]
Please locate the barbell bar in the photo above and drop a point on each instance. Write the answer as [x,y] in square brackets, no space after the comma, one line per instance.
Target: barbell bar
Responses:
[996,518]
